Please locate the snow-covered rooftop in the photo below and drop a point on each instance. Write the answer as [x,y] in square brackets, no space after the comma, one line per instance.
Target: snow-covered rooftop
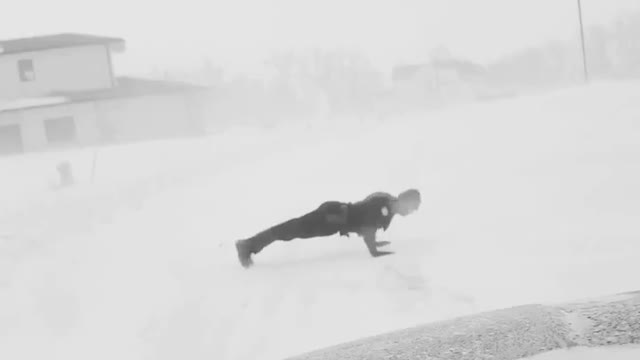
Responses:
[127,87]
[19,103]
[54,41]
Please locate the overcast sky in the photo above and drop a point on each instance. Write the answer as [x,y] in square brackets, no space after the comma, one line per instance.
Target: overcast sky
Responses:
[240,33]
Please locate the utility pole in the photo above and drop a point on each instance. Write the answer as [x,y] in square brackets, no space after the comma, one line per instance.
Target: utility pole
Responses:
[584,52]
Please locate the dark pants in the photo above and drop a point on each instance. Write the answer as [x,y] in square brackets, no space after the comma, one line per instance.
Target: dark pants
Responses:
[328,219]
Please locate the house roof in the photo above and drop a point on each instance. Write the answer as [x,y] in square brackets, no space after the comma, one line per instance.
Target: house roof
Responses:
[127,87]
[25,103]
[55,41]
[131,87]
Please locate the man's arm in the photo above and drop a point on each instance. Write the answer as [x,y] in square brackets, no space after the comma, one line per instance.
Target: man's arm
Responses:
[369,237]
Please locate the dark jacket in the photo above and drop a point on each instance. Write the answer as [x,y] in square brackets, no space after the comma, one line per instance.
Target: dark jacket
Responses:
[370,214]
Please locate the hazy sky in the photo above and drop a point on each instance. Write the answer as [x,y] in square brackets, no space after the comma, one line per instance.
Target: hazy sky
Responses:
[240,33]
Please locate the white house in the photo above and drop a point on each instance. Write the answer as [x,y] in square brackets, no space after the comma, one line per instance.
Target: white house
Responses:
[61,90]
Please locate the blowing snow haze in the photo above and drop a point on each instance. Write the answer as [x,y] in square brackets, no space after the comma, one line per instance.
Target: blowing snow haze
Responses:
[241,35]
[139,140]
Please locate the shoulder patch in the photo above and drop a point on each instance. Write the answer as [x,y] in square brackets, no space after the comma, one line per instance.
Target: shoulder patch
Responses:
[384,211]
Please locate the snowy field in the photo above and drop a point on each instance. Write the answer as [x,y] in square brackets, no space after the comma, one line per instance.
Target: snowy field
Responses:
[525,200]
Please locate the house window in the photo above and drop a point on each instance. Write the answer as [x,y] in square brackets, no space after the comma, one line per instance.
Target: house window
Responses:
[60,130]
[10,139]
[25,68]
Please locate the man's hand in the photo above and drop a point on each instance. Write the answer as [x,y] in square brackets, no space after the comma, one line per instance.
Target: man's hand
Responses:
[382,253]
[369,237]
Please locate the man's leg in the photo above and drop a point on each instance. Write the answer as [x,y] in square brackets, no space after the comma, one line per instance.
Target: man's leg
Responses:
[285,231]
[324,221]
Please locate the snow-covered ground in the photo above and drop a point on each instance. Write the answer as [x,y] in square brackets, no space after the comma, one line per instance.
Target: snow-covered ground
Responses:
[525,200]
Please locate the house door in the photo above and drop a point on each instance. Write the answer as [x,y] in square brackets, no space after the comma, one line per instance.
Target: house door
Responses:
[10,139]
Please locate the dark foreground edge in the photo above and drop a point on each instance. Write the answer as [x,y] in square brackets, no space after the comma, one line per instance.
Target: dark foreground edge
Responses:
[512,333]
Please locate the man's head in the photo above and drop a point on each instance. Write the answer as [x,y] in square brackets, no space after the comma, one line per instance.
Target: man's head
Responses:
[408,202]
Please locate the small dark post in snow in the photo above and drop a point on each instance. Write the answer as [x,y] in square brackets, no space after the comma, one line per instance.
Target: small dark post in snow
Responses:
[66,174]
[584,53]
[94,164]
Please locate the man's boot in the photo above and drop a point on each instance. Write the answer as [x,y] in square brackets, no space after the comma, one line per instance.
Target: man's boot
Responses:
[244,253]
